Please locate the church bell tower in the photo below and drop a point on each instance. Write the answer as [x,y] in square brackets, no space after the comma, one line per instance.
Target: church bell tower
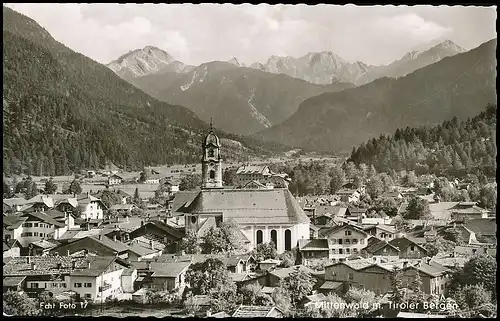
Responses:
[211,164]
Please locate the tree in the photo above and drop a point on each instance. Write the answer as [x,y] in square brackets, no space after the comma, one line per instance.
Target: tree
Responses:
[228,177]
[79,211]
[375,187]
[351,170]
[207,275]
[488,197]
[137,198]
[472,297]
[249,293]
[191,305]
[364,299]
[223,239]
[224,297]
[454,235]
[110,198]
[439,245]
[417,209]
[19,304]
[410,179]
[75,188]
[337,179]
[6,190]
[417,295]
[265,251]
[190,243]
[397,291]
[190,182]
[298,284]
[287,259]
[478,270]
[387,205]
[31,189]
[50,187]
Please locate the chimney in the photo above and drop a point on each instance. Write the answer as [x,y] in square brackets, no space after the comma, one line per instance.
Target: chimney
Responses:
[33,266]
[151,245]
[88,264]
[67,253]
[73,264]
[114,238]
[99,236]
[142,223]
[85,252]
[405,264]
[28,259]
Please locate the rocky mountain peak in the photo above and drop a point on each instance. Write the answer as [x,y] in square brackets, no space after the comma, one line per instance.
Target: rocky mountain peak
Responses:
[141,62]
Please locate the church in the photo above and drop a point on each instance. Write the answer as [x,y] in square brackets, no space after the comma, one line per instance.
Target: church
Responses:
[263,215]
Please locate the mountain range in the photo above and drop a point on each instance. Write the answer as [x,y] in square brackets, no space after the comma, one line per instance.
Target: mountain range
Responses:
[326,67]
[240,100]
[64,112]
[460,85]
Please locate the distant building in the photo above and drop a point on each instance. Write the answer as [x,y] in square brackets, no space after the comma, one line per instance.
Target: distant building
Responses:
[115,180]
[262,174]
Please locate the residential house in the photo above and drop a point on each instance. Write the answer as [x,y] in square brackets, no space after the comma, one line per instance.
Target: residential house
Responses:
[245,174]
[394,195]
[314,231]
[345,240]
[114,180]
[98,245]
[39,203]
[160,231]
[408,248]
[163,276]
[90,277]
[274,277]
[12,227]
[93,207]
[468,210]
[170,185]
[309,250]
[381,231]
[153,179]
[441,210]
[469,251]
[245,311]
[11,248]
[375,276]
[368,221]
[42,247]
[37,226]
[128,278]
[234,264]
[348,195]
[13,205]
[357,214]
[484,228]
[379,247]
[67,205]
[124,209]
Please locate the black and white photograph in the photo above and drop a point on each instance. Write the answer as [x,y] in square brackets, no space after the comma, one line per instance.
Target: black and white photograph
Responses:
[222,160]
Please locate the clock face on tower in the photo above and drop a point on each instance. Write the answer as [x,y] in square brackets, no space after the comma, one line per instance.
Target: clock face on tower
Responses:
[211,153]
[212,164]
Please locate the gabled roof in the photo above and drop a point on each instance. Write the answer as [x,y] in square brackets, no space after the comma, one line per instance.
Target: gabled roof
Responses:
[44,244]
[168,270]
[375,244]
[313,245]
[119,207]
[11,222]
[402,243]
[285,272]
[262,206]
[44,218]
[336,229]
[42,199]
[16,201]
[254,184]
[333,210]
[384,227]
[484,226]
[251,169]
[253,311]
[163,227]
[11,281]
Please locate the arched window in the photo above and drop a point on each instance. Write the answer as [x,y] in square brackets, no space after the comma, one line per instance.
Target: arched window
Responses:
[211,153]
[212,174]
[274,238]
[259,237]
[288,240]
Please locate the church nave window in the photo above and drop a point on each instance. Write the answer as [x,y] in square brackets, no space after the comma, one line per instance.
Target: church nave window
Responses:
[212,174]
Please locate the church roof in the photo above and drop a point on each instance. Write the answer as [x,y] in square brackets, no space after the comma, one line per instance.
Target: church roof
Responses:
[212,139]
[262,206]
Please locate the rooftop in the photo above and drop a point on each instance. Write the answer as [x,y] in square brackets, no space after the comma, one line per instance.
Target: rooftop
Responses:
[285,272]
[253,311]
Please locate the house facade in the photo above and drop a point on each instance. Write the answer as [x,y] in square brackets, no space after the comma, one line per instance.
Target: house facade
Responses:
[345,240]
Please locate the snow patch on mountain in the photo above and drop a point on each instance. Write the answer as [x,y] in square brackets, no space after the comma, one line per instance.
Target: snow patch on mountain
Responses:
[256,114]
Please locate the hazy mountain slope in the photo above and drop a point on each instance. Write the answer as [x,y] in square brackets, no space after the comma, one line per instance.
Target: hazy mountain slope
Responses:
[64,111]
[240,100]
[325,67]
[412,61]
[146,61]
[460,86]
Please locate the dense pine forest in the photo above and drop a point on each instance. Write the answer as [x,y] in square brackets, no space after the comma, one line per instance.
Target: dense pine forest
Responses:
[64,112]
[453,148]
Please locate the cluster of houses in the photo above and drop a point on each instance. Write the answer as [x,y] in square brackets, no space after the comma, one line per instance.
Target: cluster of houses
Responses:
[50,246]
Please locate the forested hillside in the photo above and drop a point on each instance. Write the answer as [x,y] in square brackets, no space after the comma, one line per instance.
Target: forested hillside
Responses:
[454,147]
[64,112]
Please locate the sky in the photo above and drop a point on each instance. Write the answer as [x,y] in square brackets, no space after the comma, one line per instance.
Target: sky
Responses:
[195,34]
